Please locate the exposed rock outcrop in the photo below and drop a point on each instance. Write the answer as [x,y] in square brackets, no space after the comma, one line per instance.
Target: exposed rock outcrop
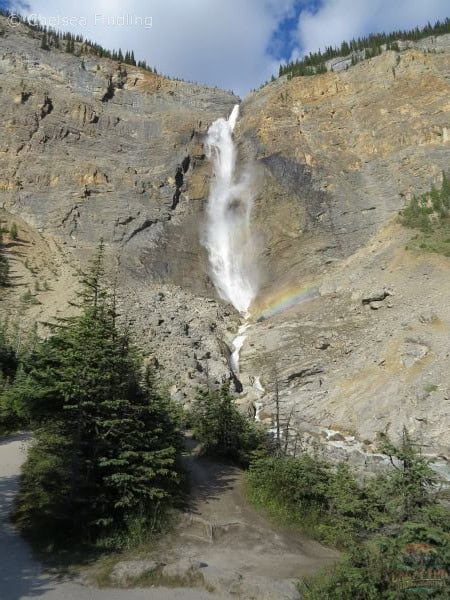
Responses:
[93,149]
[341,154]
[105,150]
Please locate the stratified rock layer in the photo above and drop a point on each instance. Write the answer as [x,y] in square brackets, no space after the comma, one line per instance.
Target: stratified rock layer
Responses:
[91,149]
[342,153]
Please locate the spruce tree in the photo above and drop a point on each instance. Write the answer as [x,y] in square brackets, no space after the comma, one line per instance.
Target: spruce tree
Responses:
[4,265]
[106,434]
[44,42]
[13,232]
[222,430]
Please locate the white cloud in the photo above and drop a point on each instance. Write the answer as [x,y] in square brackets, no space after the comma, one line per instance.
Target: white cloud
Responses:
[218,42]
[225,42]
[339,20]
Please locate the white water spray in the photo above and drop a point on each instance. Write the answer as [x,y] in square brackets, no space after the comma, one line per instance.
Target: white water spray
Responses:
[238,342]
[228,237]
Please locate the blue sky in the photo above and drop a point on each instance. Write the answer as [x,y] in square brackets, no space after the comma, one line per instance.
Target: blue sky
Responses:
[235,44]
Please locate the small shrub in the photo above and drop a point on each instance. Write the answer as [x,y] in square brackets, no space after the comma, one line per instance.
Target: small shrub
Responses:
[431,387]
[28,298]
[13,232]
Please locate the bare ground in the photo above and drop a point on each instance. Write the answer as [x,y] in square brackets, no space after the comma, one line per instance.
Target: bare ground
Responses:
[225,531]
[239,548]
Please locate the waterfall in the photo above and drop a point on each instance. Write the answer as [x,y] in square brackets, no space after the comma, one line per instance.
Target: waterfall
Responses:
[238,342]
[228,237]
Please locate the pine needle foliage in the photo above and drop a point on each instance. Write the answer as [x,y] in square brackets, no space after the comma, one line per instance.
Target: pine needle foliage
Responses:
[394,529]
[429,213]
[222,430]
[360,49]
[106,446]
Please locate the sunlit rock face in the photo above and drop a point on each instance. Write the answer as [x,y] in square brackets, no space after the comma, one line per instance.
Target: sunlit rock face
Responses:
[91,150]
[341,154]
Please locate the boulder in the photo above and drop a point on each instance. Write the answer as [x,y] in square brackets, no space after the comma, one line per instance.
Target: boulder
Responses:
[127,571]
[182,568]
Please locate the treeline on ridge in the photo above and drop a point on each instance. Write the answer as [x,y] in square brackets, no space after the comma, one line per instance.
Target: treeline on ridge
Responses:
[360,48]
[77,44]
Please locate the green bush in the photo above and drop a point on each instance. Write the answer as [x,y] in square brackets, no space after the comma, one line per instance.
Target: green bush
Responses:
[4,264]
[13,232]
[307,492]
[391,527]
[389,567]
[430,214]
[222,430]
[28,298]
[9,363]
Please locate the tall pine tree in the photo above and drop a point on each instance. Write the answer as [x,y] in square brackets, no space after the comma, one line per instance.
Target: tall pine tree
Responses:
[4,265]
[106,448]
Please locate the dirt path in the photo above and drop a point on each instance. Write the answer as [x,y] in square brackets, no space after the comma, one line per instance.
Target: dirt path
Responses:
[240,552]
[23,578]
[225,532]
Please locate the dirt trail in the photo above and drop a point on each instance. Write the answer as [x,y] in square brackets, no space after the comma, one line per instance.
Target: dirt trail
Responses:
[225,532]
[23,578]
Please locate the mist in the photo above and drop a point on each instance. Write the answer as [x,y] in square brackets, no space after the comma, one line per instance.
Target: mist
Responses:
[229,239]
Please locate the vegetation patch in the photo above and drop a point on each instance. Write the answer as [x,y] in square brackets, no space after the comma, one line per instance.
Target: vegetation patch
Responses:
[4,264]
[9,363]
[429,213]
[223,431]
[393,529]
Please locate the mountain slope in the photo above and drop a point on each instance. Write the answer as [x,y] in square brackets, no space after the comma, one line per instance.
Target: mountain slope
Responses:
[93,149]
[342,153]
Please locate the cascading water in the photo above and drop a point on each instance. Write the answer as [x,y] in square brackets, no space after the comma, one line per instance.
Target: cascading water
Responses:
[238,342]
[228,237]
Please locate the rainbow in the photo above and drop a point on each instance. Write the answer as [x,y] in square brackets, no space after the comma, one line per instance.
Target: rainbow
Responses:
[283,300]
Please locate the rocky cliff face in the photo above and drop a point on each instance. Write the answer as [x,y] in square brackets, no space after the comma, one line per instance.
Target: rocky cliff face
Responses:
[341,154]
[90,149]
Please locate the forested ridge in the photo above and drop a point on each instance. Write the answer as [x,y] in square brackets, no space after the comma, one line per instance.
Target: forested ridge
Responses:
[360,48]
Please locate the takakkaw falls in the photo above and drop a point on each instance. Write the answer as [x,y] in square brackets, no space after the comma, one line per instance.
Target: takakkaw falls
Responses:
[228,232]
[224,320]
[228,237]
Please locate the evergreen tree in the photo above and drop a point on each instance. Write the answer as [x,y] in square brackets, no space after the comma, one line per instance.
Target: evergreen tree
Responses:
[222,429]
[107,437]
[44,42]
[412,477]
[9,364]
[13,232]
[70,44]
[4,265]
